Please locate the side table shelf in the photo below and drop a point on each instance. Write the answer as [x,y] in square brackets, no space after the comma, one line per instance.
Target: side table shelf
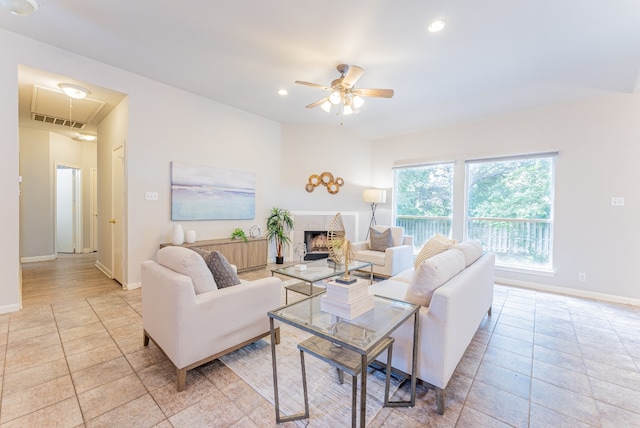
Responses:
[248,255]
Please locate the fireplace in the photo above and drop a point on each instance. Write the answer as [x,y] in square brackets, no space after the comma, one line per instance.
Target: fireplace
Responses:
[316,242]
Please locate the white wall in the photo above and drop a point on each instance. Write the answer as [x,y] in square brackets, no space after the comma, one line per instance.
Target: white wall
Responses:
[36,213]
[310,150]
[599,144]
[164,125]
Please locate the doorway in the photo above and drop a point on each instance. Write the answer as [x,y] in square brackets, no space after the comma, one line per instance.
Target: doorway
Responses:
[68,209]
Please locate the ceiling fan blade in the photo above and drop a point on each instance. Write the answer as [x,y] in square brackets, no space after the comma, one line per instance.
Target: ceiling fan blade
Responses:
[379,93]
[353,74]
[313,85]
[317,103]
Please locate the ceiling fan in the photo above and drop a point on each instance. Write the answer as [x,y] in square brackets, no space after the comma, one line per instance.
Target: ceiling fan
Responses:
[343,93]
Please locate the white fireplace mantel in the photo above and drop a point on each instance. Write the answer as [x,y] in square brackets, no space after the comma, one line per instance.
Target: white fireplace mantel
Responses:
[320,220]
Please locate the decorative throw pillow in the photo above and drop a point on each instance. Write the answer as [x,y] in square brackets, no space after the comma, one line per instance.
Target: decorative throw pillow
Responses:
[433,247]
[472,250]
[223,273]
[189,263]
[397,233]
[380,241]
[433,273]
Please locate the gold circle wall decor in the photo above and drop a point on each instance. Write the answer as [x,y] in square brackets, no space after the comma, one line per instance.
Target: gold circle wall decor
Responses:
[326,179]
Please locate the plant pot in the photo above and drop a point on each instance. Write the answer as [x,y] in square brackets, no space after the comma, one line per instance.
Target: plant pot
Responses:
[279,260]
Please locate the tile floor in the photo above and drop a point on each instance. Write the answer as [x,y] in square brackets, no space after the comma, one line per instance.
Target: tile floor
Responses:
[540,360]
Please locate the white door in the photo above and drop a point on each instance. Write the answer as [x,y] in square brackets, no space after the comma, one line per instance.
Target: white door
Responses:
[64,210]
[117,220]
[68,210]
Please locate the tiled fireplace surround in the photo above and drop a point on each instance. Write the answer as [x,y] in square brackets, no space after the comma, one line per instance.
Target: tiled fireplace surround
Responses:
[320,220]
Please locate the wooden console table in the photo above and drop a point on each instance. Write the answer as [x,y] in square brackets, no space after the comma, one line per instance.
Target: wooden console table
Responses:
[245,255]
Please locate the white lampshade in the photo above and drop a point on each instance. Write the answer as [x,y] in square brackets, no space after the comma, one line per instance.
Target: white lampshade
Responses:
[374,196]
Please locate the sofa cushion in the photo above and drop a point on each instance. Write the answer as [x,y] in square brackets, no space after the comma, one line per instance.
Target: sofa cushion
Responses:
[472,250]
[434,246]
[223,273]
[380,241]
[389,288]
[375,257]
[432,273]
[189,263]
[405,276]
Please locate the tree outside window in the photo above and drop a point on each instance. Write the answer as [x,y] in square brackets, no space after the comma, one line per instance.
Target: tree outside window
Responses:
[510,208]
[424,201]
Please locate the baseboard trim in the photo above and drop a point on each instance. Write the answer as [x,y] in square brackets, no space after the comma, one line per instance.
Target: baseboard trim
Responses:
[9,308]
[569,291]
[132,285]
[37,258]
[104,269]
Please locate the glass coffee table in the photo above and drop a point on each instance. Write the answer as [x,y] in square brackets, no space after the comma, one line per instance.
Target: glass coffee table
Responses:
[365,336]
[316,271]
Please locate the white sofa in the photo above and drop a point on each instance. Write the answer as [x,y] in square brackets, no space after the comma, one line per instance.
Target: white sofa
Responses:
[394,259]
[447,325]
[193,329]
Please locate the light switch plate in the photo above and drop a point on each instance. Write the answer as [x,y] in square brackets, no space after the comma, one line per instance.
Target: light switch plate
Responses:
[151,196]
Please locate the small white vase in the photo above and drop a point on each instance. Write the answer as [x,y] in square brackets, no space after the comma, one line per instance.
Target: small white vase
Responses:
[177,236]
[190,237]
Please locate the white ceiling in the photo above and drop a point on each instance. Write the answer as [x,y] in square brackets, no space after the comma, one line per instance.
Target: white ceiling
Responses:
[494,56]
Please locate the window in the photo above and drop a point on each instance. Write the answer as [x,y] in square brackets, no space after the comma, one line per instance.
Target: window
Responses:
[510,209]
[424,200]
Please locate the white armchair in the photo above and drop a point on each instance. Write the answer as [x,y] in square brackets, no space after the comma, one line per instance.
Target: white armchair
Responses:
[193,329]
[392,260]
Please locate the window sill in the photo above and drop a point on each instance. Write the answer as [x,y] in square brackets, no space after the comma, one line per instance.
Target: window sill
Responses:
[540,272]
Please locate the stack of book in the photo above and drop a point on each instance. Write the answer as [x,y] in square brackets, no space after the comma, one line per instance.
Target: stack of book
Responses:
[347,300]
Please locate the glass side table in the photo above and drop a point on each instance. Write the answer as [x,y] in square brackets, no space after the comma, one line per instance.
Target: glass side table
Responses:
[363,335]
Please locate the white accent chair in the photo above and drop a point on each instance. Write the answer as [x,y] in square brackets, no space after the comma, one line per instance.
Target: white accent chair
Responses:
[394,259]
[193,329]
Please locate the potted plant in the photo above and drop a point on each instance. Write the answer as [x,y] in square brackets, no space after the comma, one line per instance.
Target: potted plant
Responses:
[279,223]
[239,234]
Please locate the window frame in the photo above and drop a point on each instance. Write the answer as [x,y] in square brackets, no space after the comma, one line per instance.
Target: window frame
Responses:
[548,269]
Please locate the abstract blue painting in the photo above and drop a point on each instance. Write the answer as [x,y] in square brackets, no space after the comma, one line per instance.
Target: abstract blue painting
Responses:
[207,193]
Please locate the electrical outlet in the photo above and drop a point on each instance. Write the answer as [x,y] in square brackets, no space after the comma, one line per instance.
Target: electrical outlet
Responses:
[617,201]
[151,196]
[582,277]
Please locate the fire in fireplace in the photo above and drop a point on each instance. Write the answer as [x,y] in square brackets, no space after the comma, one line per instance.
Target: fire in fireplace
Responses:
[316,242]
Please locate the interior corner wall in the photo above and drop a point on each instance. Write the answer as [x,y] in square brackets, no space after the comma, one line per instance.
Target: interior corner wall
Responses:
[40,151]
[112,133]
[308,150]
[599,144]
[36,204]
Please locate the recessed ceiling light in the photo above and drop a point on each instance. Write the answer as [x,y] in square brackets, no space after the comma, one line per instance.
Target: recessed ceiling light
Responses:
[283,92]
[20,7]
[436,25]
[74,91]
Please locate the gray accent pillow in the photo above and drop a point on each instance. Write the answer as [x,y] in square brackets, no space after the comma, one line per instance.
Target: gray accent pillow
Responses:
[223,273]
[379,241]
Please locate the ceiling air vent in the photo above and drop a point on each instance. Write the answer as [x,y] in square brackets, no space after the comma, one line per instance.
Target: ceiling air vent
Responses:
[57,121]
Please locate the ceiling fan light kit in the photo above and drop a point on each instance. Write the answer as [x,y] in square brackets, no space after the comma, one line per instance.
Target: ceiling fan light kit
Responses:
[344,95]
[20,7]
